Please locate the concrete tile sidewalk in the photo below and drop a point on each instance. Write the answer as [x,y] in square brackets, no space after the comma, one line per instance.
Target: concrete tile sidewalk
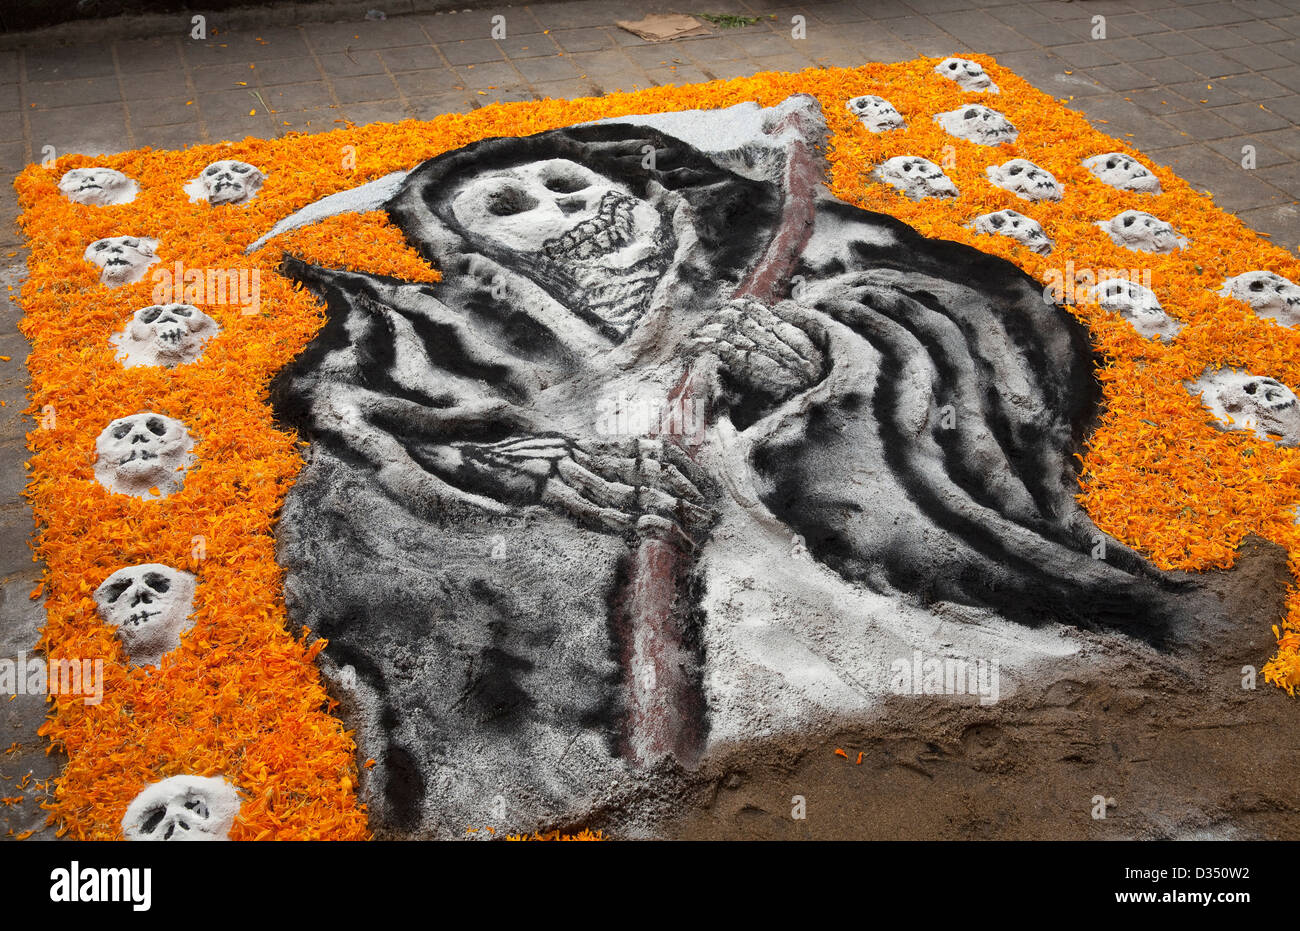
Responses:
[1192,83]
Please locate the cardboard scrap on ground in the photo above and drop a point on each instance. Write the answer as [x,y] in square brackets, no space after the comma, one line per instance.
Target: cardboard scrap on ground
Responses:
[660,27]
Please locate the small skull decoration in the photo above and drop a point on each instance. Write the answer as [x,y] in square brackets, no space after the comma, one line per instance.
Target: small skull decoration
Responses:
[1122,172]
[1269,295]
[226,182]
[915,176]
[150,607]
[1242,401]
[142,452]
[1138,305]
[1024,230]
[183,808]
[969,75]
[123,259]
[97,187]
[1142,232]
[1025,179]
[876,113]
[978,124]
[165,335]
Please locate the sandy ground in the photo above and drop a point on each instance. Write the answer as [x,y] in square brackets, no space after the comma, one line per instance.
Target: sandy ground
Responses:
[1182,749]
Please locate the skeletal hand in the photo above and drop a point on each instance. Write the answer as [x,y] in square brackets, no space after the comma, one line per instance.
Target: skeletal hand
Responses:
[761,349]
[618,485]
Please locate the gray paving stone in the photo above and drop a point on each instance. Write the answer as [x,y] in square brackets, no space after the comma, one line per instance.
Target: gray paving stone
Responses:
[310,95]
[1266,156]
[1122,77]
[144,55]
[156,113]
[1087,54]
[63,63]
[583,40]
[471,51]
[351,63]
[545,70]
[1201,124]
[359,89]
[561,90]
[1258,57]
[411,58]
[1167,70]
[47,95]
[288,71]
[1252,117]
[441,100]
[431,83]
[532,46]
[1175,43]
[492,74]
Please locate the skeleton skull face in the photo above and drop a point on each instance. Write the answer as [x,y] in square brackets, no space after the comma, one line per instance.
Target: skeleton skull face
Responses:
[1242,401]
[876,113]
[150,607]
[1025,179]
[915,176]
[1138,305]
[969,75]
[560,209]
[1269,295]
[98,187]
[123,259]
[978,124]
[164,334]
[1122,172]
[144,451]
[1024,230]
[1142,232]
[183,808]
[226,182]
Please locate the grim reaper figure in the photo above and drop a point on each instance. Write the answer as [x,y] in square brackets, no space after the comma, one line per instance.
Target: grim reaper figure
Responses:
[528,612]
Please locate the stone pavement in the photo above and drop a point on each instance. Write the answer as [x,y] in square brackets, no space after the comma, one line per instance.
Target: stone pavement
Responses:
[1190,83]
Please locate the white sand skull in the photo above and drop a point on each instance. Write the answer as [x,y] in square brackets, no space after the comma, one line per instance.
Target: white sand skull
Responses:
[1142,232]
[1024,230]
[99,187]
[123,259]
[876,113]
[561,209]
[150,606]
[164,335]
[1269,295]
[979,124]
[141,452]
[1123,172]
[915,176]
[969,75]
[1138,305]
[1025,179]
[183,808]
[226,182]
[1242,401]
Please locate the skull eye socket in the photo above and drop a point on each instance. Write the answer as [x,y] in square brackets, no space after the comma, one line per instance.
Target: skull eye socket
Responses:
[239,169]
[566,183]
[509,201]
[181,310]
[150,314]
[1128,221]
[1257,286]
[114,591]
[212,169]
[953,66]
[153,819]
[1015,170]
[100,246]
[970,114]
[155,426]
[157,582]
[121,430]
